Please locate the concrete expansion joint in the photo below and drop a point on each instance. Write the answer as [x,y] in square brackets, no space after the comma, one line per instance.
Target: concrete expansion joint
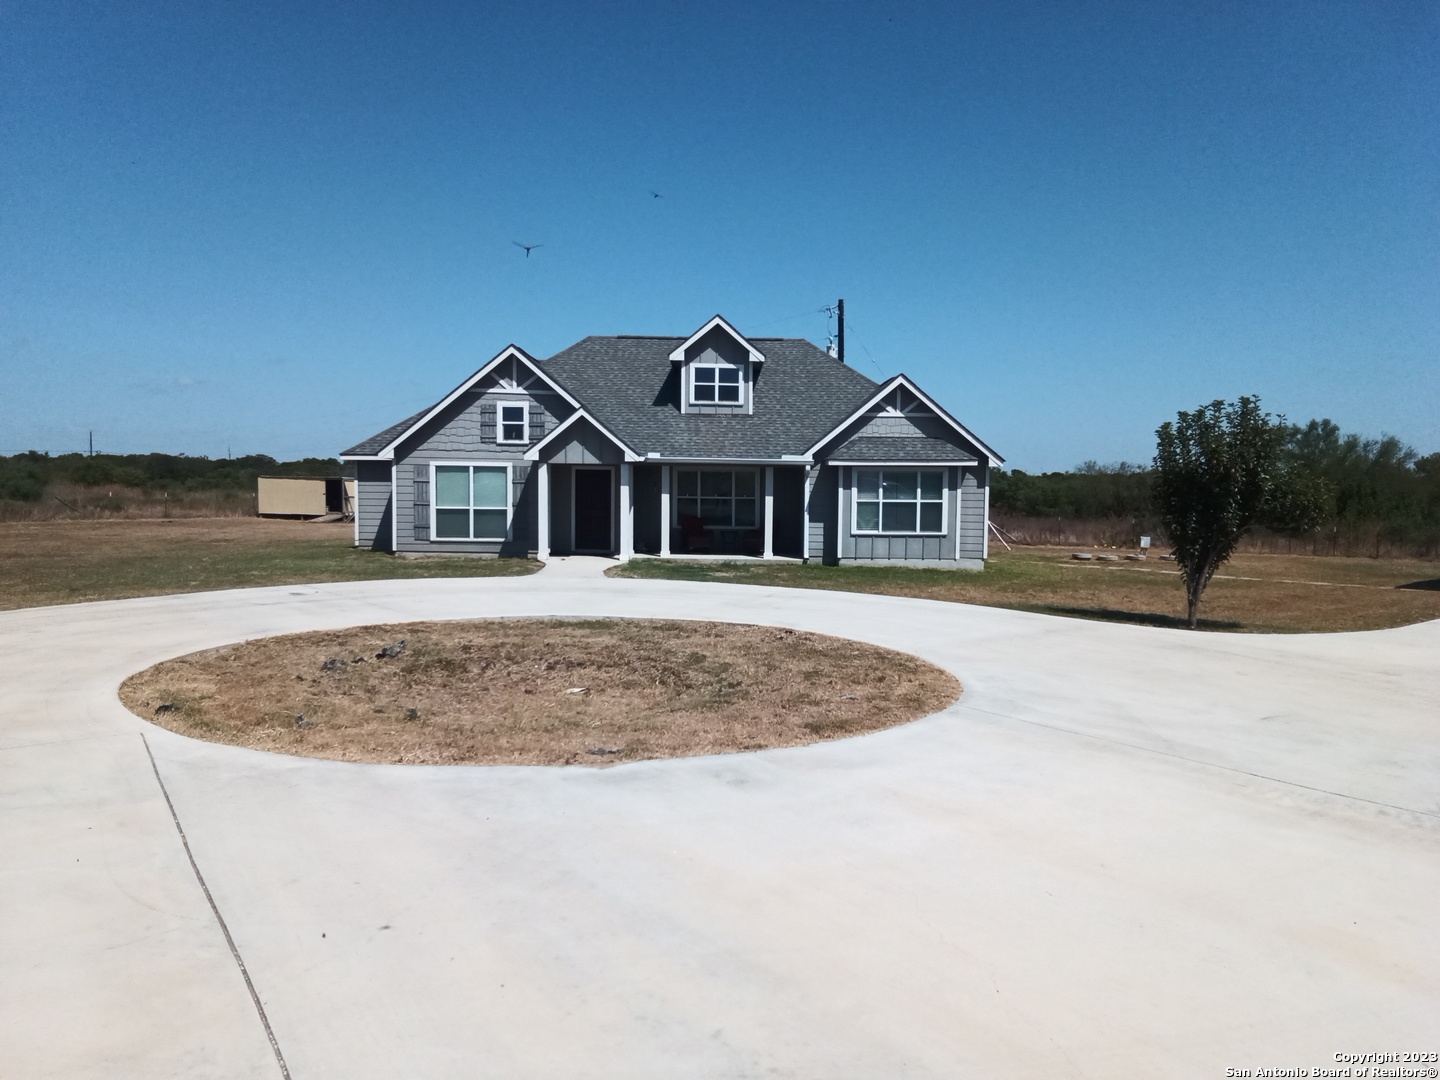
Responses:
[220,919]
[1112,741]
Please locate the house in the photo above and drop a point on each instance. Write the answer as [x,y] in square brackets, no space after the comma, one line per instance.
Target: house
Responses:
[710,445]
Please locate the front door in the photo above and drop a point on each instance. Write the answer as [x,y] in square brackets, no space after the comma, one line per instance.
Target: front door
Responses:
[593,501]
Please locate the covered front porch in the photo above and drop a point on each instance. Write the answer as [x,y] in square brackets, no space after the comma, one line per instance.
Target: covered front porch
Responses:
[681,509]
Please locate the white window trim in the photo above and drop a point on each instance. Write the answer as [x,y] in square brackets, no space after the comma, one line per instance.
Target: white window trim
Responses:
[944,500]
[500,408]
[759,496]
[508,466]
[718,364]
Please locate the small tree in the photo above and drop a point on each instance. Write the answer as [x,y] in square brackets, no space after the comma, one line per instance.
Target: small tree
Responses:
[1216,472]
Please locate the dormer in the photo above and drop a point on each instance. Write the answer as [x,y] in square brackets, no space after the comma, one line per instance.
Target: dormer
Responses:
[718,369]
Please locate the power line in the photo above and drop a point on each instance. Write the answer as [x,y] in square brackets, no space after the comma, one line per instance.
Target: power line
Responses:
[791,318]
[850,326]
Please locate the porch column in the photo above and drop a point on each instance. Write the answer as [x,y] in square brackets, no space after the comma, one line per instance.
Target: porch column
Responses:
[805,508]
[627,511]
[769,512]
[542,511]
[664,510]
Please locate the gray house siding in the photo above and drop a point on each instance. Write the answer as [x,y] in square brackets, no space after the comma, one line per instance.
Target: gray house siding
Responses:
[372,505]
[939,549]
[718,345]
[824,528]
[582,444]
[972,514]
[562,487]
[466,432]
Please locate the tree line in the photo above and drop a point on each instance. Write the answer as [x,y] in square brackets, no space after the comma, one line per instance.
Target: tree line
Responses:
[27,477]
[1334,483]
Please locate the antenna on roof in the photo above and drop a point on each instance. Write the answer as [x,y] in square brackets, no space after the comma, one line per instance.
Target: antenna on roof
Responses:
[836,345]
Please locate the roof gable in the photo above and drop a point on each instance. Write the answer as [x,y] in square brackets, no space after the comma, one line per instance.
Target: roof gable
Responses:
[515,368]
[884,392]
[717,323]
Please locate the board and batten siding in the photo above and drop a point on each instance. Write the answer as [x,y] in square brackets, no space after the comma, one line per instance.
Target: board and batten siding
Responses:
[372,505]
[720,346]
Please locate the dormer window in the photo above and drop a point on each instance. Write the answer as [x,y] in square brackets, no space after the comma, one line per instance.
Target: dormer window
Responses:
[718,370]
[714,384]
[512,424]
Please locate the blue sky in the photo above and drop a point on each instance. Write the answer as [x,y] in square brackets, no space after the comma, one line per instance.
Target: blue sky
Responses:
[279,228]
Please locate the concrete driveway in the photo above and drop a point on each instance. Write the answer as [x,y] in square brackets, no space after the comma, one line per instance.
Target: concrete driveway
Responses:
[1126,852]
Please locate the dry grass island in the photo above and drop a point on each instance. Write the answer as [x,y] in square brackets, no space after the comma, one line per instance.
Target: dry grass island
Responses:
[537,691]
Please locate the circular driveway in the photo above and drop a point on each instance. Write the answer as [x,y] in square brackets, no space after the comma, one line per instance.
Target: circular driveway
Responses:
[1124,852]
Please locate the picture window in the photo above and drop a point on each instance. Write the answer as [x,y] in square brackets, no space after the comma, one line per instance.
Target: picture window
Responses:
[472,502]
[900,501]
[721,499]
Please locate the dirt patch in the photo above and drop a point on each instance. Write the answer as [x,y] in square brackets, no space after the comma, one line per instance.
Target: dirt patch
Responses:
[537,691]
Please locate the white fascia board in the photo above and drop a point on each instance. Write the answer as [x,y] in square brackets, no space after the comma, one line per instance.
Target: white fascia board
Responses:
[888,387]
[533,454]
[906,464]
[678,355]
[362,457]
[507,353]
[725,460]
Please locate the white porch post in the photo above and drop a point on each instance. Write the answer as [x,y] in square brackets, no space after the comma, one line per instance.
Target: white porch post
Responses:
[805,508]
[664,510]
[985,521]
[769,512]
[627,511]
[542,511]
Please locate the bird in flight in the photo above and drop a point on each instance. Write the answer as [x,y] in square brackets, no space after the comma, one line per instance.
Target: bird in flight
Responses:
[656,195]
[528,247]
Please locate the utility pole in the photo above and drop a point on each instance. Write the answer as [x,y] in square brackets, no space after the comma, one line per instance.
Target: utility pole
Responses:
[92,444]
[840,326]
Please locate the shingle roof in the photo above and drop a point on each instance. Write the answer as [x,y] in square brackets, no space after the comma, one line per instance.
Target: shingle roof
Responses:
[378,442]
[630,386]
[906,448]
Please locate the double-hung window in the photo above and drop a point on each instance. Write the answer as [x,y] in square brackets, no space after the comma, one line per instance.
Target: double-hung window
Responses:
[900,500]
[720,498]
[513,421]
[715,384]
[472,502]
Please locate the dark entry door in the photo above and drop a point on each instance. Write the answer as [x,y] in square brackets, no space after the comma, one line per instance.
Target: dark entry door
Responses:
[593,530]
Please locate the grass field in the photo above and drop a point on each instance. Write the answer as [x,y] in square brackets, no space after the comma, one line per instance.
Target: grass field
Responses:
[1256,593]
[63,562]
[59,562]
